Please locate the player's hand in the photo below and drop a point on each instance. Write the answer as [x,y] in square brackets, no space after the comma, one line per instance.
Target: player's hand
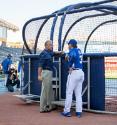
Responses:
[62,52]
[40,78]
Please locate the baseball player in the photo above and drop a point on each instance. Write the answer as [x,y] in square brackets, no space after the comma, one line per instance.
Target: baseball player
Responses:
[74,80]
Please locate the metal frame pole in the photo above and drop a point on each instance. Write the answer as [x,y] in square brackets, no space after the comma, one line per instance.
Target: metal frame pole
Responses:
[56,83]
[22,75]
[88,92]
[29,78]
[59,78]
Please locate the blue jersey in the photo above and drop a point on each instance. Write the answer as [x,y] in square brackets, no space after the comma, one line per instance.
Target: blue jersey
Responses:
[5,64]
[46,59]
[75,58]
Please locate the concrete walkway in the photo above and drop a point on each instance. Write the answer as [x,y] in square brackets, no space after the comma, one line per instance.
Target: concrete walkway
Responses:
[13,111]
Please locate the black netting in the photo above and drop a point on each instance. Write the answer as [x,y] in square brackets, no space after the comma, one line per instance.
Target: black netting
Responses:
[85,23]
[82,30]
[31,32]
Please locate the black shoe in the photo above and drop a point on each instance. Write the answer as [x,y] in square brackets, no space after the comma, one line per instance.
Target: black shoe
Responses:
[45,111]
[42,111]
[10,88]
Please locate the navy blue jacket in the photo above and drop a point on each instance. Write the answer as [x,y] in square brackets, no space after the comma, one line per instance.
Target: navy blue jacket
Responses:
[46,60]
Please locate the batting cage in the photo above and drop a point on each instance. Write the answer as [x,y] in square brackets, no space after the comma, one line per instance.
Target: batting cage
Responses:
[94,25]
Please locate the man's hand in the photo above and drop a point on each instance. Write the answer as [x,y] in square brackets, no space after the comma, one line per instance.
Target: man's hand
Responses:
[66,57]
[59,52]
[40,74]
[40,78]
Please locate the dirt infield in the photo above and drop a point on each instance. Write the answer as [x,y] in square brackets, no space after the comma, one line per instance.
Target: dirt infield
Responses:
[15,112]
[111,103]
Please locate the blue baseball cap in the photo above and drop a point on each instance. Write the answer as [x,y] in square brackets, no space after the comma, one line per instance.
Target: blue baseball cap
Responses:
[72,42]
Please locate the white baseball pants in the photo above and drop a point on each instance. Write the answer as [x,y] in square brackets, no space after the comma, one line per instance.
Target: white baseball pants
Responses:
[74,83]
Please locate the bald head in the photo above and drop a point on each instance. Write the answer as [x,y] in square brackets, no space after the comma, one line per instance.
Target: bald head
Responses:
[48,45]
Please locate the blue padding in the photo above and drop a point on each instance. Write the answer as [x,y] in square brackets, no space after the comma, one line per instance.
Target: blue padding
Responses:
[35,85]
[64,74]
[85,69]
[97,88]
[97,78]
[97,83]
[99,54]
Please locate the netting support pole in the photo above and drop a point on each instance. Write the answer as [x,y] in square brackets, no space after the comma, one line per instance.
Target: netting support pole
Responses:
[53,27]
[60,32]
